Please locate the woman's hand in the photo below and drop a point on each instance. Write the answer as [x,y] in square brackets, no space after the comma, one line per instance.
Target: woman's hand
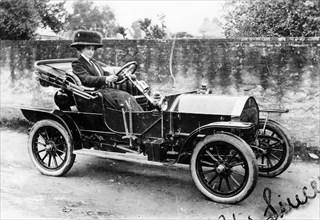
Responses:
[111,78]
[111,70]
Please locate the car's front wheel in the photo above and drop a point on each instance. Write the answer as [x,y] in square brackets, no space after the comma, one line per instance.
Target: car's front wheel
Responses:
[50,148]
[223,168]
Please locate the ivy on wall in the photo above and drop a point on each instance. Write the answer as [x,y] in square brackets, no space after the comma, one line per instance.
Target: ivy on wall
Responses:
[222,63]
[279,72]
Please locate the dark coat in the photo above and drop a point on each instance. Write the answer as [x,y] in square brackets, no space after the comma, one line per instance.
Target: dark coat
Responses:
[91,77]
[88,73]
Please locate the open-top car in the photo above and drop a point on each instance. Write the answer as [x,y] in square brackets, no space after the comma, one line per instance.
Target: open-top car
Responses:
[222,138]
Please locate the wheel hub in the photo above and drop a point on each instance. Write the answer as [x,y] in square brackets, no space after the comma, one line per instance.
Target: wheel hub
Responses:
[221,168]
[264,147]
[50,147]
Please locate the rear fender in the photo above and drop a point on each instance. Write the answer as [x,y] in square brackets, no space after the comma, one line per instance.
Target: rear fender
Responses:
[223,126]
[35,115]
[274,111]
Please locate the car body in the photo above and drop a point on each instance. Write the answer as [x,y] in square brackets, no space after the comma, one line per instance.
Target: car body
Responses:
[222,138]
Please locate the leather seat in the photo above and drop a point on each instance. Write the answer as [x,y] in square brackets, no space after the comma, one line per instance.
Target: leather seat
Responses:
[127,86]
[71,77]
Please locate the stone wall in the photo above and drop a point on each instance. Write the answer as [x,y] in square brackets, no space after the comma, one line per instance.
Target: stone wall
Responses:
[279,72]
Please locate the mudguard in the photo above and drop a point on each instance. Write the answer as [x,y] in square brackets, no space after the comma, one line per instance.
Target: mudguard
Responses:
[37,114]
[212,126]
[274,110]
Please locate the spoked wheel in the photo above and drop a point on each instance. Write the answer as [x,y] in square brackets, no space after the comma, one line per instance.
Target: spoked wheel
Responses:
[223,168]
[275,151]
[50,148]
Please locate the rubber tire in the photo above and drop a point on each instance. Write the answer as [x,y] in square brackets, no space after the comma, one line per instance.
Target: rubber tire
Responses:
[288,148]
[247,152]
[70,156]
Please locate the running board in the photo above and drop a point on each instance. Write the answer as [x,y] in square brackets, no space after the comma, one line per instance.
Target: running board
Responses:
[131,157]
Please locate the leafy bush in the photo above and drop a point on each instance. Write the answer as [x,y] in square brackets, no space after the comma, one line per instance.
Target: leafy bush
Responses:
[20,19]
[269,18]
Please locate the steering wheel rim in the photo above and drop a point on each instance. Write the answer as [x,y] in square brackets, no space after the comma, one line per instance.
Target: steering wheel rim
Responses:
[134,63]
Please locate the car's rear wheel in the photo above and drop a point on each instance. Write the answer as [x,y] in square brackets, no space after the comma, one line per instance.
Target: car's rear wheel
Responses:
[223,168]
[50,148]
[275,151]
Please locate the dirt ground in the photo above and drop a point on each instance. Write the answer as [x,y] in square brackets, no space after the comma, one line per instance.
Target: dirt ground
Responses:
[107,189]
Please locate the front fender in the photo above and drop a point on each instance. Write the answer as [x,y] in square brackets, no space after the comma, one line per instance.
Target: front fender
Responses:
[34,115]
[208,128]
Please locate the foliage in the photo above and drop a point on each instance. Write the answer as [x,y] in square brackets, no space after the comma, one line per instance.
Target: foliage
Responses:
[121,30]
[183,34]
[20,19]
[87,16]
[211,28]
[269,18]
[51,15]
[153,31]
[136,27]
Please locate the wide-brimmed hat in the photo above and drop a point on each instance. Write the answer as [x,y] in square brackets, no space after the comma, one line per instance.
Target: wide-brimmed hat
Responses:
[87,38]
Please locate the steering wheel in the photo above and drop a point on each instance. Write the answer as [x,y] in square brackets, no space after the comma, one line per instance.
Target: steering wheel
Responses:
[127,69]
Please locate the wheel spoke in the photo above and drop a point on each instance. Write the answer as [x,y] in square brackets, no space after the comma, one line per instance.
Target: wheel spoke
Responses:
[43,137]
[212,157]
[39,151]
[278,143]
[236,164]
[47,135]
[49,163]
[217,150]
[226,154]
[234,180]
[55,161]
[274,156]
[272,135]
[269,162]
[236,172]
[59,144]
[58,140]
[220,183]
[213,178]
[44,157]
[60,157]
[262,159]
[40,143]
[232,157]
[60,151]
[276,149]
[208,171]
[228,184]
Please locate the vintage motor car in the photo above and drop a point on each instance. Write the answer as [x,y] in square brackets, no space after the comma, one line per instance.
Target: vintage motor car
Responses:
[222,138]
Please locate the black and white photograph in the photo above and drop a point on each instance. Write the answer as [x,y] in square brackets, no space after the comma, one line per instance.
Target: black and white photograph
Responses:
[160,109]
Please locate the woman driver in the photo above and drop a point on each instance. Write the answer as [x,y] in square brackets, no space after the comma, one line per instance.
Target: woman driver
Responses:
[93,73]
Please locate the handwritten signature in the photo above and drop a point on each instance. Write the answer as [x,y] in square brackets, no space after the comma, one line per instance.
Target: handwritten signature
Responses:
[285,207]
